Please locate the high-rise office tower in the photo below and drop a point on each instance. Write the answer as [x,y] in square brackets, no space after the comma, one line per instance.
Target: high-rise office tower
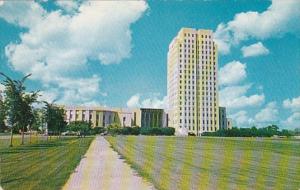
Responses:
[193,103]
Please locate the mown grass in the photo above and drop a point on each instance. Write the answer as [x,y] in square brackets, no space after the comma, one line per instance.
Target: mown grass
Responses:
[40,165]
[213,163]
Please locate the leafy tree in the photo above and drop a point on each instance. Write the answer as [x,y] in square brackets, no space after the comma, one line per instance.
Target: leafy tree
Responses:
[286,133]
[27,115]
[37,121]
[114,129]
[82,127]
[54,118]
[297,131]
[268,131]
[2,116]
[18,104]
[98,130]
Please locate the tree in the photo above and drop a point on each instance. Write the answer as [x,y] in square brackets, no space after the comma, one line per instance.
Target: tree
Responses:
[297,131]
[54,118]
[15,97]
[2,116]
[268,131]
[82,127]
[114,129]
[27,115]
[37,122]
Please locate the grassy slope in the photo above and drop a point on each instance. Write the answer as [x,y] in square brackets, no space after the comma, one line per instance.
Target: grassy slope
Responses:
[42,165]
[213,163]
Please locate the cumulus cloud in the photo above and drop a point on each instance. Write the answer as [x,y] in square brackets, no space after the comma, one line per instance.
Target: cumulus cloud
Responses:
[233,93]
[254,50]
[241,118]
[293,121]
[280,18]
[69,6]
[1,91]
[232,73]
[2,87]
[293,104]
[135,101]
[49,95]
[268,114]
[56,46]
[234,97]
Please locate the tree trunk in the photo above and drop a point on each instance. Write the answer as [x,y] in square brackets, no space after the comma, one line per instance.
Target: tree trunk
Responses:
[11,137]
[22,135]
[29,134]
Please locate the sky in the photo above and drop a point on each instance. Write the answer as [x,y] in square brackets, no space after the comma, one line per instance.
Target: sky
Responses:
[115,53]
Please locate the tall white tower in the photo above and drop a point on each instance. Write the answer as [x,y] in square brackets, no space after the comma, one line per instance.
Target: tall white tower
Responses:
[193,103]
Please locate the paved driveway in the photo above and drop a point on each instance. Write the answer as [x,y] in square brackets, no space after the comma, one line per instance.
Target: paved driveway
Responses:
[102,168]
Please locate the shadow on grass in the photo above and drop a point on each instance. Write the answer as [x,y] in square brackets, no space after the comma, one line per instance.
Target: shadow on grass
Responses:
[11,180]
[31,147]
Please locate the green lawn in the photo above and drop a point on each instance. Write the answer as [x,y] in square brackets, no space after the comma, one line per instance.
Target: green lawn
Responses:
[42,165]
[213,163]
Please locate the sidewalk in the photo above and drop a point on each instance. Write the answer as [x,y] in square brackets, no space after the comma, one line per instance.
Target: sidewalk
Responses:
[102,169]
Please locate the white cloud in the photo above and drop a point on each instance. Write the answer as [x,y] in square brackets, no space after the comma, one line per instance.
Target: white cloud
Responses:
[232,73]
[49,95]
[78,91]
[2,87]
[268,114]
[57,46]
[254,50]
[234,93]
[69,6]
[241,118]
[223,39]
[280,18]
[134,101]
[293,121]
[293,104]
[152,102]
[234,97]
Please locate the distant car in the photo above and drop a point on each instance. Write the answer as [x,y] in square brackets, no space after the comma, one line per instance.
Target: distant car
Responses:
[191,134]
[104,133]
[69,133]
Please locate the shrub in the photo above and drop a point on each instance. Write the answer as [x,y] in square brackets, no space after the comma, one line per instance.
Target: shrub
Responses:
[268,131]
[135,130]
[168,131]
[98,130]
[82,127]
[130,131]
[114,129]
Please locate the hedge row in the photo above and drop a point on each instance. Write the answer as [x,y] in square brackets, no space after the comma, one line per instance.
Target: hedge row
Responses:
[167,131]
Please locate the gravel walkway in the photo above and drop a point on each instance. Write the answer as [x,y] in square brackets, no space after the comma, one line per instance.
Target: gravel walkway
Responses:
[102,168]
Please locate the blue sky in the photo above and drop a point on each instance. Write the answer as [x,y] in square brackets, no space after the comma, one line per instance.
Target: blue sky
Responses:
[115,53]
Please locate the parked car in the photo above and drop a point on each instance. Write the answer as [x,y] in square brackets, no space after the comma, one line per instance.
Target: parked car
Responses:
[69,133]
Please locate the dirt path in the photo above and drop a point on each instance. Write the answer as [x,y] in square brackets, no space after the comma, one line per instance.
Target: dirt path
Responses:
[102,168]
